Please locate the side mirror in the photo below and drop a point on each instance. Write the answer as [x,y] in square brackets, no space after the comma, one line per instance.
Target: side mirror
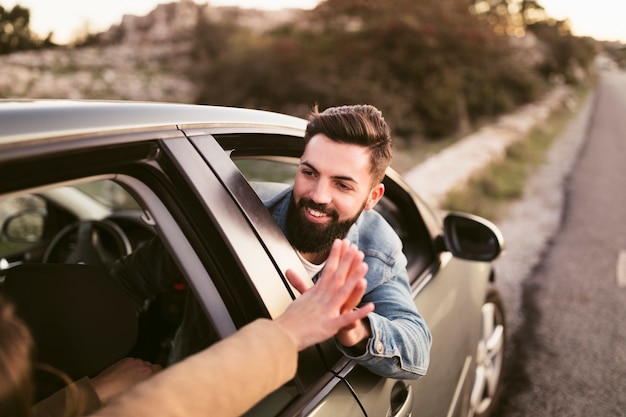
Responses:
[27,226]
[472,237]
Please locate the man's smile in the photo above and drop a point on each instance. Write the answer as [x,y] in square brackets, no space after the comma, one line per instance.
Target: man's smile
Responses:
[315,215]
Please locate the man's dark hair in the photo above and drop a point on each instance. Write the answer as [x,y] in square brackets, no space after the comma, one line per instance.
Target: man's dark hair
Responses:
[360,124]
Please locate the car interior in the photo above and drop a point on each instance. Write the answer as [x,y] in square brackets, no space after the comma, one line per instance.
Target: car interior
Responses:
[47,250]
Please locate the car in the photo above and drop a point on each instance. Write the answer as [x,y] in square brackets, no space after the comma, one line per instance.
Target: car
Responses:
[88,182]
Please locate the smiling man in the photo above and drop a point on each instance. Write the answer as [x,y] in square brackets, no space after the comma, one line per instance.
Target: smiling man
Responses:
[339,181]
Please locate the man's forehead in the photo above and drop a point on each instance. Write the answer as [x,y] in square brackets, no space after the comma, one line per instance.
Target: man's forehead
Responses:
[337,159]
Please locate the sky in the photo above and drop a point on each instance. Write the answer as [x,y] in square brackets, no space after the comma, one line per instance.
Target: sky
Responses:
[601,19]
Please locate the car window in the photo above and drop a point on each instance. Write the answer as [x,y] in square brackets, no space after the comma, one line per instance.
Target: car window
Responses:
[30,222]
[269,170]
[257,170]
[22,220]
[109,193]
[263,170]
[38,229]
[45,229]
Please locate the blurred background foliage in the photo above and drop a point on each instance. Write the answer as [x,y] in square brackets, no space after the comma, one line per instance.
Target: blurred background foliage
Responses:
[436,68]
[15,32]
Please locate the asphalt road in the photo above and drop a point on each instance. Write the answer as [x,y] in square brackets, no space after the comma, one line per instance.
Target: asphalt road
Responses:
[567,355]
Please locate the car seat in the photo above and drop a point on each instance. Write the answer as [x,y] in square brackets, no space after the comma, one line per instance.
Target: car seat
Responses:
[80,318]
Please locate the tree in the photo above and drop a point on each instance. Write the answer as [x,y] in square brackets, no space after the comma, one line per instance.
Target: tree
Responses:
[565,52]
[441,66]
[15,33]
[508,17]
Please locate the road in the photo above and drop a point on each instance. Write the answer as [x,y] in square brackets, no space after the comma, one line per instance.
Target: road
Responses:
[567,355]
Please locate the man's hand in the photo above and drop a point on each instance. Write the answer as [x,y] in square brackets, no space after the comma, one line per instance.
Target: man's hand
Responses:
[121,376]
[355,335]
[330,305]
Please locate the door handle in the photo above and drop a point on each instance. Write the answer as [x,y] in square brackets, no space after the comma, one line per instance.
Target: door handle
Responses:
[401,401]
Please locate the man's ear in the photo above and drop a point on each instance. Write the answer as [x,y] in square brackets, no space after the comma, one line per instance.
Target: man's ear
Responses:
[375,195]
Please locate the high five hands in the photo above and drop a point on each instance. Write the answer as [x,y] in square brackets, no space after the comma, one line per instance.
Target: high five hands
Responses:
[328,308]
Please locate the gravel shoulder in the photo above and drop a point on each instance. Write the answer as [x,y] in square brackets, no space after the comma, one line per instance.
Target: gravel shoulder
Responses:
[532,221]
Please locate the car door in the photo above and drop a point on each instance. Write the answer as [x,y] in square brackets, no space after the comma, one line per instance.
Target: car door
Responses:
[256,240]
[448,293]
[448,306]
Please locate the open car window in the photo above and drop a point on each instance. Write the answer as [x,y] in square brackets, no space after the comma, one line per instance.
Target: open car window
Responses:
[282,170]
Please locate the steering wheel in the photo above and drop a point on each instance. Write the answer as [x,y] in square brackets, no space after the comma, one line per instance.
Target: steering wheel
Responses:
[92,242]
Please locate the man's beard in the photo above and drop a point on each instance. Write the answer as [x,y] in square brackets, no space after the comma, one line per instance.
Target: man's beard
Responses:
[309,237]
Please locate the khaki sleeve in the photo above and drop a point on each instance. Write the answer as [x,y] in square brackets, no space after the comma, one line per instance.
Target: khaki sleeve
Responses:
[225,379]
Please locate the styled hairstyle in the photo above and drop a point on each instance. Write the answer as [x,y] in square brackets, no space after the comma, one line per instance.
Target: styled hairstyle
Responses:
[359,124]
[16,366]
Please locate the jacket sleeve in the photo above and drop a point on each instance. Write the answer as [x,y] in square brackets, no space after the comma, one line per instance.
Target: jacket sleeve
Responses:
[400,343]
[399,346]
[225,379]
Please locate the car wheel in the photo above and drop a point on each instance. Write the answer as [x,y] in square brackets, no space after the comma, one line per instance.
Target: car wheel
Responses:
[489,356]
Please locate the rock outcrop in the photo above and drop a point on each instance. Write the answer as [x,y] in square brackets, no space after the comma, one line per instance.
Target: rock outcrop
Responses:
[143,58]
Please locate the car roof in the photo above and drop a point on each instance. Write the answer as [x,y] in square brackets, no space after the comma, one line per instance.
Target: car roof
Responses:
[24,120]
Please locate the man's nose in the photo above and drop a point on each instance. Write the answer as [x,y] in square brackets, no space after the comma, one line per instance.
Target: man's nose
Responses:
[320,193]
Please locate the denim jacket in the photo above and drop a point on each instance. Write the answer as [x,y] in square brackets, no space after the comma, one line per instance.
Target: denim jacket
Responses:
[400,343]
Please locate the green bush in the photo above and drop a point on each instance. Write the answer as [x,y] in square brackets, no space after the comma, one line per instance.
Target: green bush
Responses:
[432,67]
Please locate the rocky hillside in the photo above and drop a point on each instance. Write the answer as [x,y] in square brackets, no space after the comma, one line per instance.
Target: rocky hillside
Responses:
[142,58]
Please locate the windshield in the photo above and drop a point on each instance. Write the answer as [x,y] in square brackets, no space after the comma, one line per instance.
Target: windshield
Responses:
[110,194]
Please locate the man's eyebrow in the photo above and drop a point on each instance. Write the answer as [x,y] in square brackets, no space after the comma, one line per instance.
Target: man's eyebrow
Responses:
[309,165]
[337,177]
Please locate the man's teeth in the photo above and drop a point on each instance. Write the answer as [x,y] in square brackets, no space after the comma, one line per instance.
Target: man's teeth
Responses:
[316,213]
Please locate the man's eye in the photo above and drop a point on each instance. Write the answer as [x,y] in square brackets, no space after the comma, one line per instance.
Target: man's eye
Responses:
[307,173]
[344,187]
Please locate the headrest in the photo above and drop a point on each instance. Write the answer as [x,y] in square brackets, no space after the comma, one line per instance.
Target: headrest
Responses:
[80,318]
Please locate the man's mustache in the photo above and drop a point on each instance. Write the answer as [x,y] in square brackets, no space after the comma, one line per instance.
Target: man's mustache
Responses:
[307,203]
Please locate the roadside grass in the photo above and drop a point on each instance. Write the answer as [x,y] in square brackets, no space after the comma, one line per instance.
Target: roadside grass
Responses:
[490,192]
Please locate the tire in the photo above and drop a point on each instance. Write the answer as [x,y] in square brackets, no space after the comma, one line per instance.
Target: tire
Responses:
[490,353]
